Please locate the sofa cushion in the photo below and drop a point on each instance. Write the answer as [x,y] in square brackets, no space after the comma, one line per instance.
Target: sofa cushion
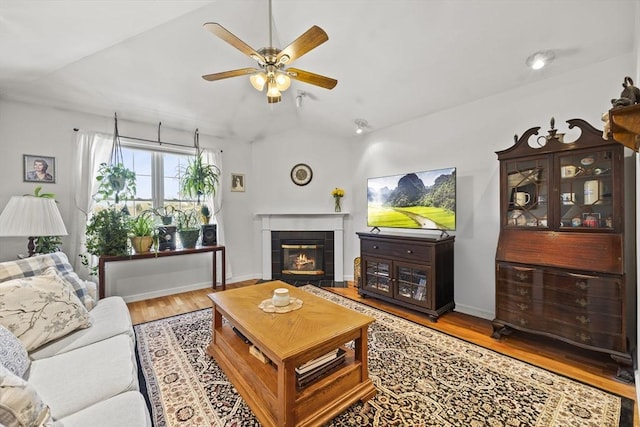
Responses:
[109,318]
[126,409]
[39,309]
[13,355]
[20,405]
[35,265]
[64,385]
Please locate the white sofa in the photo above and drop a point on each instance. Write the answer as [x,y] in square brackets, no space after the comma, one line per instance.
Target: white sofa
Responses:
[87,377]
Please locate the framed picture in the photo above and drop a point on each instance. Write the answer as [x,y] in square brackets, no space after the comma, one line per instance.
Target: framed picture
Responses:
[39,168]
[237,182]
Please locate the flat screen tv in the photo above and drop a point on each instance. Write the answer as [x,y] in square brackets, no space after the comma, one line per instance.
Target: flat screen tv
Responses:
[419,200]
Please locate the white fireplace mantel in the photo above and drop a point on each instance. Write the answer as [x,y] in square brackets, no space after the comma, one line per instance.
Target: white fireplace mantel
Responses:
[318,221]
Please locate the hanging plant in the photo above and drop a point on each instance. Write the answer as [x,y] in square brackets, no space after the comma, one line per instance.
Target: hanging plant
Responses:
[198,179]
[116,181]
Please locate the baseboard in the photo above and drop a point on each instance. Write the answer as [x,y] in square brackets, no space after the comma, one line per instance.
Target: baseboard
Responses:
[167,291]
[474,311]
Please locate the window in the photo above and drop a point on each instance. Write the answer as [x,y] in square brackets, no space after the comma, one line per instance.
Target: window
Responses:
[157,178]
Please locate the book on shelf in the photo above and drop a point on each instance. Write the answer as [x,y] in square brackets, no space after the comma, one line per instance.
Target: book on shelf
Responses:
[320,371]
[318,361]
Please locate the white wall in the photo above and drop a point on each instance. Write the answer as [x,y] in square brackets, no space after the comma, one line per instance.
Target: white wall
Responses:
[39,130]
[465,137]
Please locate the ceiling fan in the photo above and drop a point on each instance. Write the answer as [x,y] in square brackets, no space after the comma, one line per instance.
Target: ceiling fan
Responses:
[271,71]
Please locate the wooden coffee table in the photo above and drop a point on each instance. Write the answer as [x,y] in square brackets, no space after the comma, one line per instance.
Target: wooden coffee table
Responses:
[289,340]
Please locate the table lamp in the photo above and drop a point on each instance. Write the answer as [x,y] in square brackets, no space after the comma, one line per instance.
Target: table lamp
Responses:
[31,217]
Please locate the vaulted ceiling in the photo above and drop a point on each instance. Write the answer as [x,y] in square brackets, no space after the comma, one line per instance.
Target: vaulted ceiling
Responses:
[394,60]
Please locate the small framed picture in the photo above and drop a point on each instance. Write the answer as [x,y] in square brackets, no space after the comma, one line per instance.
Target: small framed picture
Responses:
[237,182]
[39,168]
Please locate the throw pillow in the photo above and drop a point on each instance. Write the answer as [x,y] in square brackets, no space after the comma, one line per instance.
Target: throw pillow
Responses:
[20,405]
[13,355]
[35,265]
[40,309]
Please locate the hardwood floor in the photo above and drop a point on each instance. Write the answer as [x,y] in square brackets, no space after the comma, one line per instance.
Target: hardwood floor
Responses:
[589,367]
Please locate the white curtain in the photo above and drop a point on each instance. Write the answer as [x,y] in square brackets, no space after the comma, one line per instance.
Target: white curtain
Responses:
[92,149]
[215,200]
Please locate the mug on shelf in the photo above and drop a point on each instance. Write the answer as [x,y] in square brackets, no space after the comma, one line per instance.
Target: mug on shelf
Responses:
[522,198]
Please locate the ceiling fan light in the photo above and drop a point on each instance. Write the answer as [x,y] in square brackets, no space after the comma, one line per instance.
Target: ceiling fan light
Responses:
[258,80]
[283,81]
[273,93]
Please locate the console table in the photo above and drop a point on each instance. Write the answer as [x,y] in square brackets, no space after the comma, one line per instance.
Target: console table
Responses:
[213,249]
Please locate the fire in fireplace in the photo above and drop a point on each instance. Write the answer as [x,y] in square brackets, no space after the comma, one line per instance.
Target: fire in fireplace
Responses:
[302,259]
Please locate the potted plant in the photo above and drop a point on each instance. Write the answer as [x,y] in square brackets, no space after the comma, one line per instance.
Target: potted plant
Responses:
[188,226]
[141,232]
[165,213]
[205,213]
[199,179]
[46,244]
[107,234]
[116,181]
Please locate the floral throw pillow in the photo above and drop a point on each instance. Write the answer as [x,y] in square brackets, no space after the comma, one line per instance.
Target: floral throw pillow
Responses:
[39,309]
[13,355]
[20,405]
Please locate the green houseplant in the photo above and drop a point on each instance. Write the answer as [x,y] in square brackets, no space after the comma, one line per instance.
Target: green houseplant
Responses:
[188,227]
[46,244]
[142,232]
[116,182]
[165,213]
[107,234]
[199,179]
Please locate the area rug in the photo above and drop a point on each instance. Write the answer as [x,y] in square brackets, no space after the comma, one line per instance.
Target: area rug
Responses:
[423,378]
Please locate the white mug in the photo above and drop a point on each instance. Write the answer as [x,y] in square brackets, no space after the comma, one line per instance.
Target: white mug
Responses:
[522,198]
[280,297]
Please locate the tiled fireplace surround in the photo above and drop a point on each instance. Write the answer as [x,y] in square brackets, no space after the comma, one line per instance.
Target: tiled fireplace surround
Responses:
[303,222]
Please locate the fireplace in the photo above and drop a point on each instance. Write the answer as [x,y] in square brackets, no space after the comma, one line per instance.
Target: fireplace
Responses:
[329,222]
[302,259]
[305,256]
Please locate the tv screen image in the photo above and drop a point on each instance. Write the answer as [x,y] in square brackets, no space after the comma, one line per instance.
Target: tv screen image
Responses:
[420,200]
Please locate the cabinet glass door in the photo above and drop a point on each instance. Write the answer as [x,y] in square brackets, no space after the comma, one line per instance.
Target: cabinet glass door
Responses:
[413,284]
[377,276]
[586,188]
[527,193]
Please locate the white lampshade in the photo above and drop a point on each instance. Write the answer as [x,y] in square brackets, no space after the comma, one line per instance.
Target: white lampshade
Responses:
[31,216]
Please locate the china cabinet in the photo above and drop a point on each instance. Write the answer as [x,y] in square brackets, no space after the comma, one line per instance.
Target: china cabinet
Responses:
[560,260]
[412,271]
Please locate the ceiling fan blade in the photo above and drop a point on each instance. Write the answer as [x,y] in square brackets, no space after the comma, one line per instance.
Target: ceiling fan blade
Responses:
[226,35]
[227,74]
[311,39]
[312,78]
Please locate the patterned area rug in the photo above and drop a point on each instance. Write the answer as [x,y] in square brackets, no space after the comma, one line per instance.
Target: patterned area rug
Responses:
[423,378]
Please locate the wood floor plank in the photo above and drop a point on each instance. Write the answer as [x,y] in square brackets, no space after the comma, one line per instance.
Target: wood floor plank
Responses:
[589,367]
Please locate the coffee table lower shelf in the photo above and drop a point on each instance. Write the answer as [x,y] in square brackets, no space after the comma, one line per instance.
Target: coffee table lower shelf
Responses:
[260,386]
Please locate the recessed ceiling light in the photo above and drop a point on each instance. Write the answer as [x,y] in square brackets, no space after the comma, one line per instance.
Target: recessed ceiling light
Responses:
[539,59]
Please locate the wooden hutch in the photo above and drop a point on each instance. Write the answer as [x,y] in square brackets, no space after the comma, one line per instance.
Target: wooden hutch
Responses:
[560,261]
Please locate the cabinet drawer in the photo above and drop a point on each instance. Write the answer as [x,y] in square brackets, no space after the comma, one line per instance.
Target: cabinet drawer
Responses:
[581,320]
[612,341]
[406,251]
[582,285]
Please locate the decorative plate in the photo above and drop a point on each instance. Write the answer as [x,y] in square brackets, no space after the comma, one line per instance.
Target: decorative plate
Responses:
[301,174]
[268,307]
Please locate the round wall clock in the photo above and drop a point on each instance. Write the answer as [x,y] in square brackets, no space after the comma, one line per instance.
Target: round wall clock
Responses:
[301,174]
